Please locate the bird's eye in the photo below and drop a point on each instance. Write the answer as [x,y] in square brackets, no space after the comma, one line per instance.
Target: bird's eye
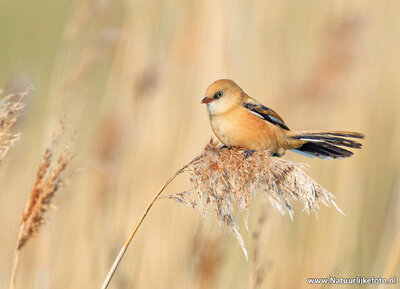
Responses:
[218,95]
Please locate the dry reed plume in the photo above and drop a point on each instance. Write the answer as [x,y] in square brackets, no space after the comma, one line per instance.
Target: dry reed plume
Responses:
[47,183]
[222,179]
[10,108]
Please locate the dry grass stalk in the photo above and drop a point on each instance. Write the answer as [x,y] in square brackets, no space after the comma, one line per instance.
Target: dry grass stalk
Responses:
[10,108]
[339,46]
[206,255]
[260,269]
[222,179]
[393,262]
[121,253]
[47,183]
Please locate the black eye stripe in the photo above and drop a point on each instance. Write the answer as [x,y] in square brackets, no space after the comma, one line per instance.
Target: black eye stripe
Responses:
[218,95]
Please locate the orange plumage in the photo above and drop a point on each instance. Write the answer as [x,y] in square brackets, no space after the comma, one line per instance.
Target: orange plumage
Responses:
[239,120]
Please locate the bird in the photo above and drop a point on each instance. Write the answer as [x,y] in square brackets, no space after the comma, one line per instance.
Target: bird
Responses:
[239,120]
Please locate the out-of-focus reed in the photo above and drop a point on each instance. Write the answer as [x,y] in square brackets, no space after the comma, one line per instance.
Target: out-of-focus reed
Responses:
[10,108]
[48,182]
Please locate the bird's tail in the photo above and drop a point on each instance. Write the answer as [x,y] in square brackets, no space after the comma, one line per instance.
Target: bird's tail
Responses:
[325,144]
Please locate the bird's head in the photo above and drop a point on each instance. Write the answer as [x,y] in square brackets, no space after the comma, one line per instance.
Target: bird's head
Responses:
[222,95]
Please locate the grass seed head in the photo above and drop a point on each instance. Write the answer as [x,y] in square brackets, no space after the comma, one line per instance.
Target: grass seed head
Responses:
[48,181]
[222,179]
[10,108]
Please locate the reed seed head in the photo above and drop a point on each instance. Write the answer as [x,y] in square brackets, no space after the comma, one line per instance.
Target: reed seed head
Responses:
[10,108]
[48,181]
[222,179]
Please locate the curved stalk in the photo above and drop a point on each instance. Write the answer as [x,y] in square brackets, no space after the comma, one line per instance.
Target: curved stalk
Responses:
[128,241]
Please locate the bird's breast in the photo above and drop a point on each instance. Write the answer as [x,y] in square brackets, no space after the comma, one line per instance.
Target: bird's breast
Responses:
[241,128]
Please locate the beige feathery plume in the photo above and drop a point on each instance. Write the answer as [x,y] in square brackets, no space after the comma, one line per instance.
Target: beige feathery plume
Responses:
[222,179]
[10,108]
[48,181]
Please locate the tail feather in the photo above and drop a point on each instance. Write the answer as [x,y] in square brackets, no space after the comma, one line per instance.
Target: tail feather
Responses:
[331,140]
[327,145]
[345,134]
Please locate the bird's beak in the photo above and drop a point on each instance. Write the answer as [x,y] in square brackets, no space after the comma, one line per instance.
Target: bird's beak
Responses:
[206,100]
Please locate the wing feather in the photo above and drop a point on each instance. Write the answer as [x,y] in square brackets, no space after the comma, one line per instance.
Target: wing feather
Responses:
[265,113]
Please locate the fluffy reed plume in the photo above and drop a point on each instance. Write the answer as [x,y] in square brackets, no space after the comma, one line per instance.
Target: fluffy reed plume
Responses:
[222,179]
[10,108]
[47,183]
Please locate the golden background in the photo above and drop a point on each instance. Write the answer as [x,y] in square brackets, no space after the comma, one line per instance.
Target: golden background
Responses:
[129,77]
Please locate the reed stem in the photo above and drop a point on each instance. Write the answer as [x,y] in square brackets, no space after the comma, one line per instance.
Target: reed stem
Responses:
[16,259]
[128,241]
[14,269]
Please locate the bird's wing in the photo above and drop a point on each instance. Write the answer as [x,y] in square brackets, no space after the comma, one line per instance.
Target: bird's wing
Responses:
[264,112]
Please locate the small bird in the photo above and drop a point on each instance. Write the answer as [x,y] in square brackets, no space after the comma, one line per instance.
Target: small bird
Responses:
[241,121]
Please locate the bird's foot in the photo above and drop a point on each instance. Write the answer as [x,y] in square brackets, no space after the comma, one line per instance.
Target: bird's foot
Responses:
[247,153]
[223,147]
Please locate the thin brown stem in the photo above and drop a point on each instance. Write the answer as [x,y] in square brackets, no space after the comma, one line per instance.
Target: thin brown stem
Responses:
[128,241]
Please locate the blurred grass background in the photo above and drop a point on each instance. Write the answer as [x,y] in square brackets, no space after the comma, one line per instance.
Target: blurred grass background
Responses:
[129,76]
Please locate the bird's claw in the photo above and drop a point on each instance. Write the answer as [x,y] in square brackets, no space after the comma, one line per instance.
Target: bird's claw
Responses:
[223,147]
[247,153]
